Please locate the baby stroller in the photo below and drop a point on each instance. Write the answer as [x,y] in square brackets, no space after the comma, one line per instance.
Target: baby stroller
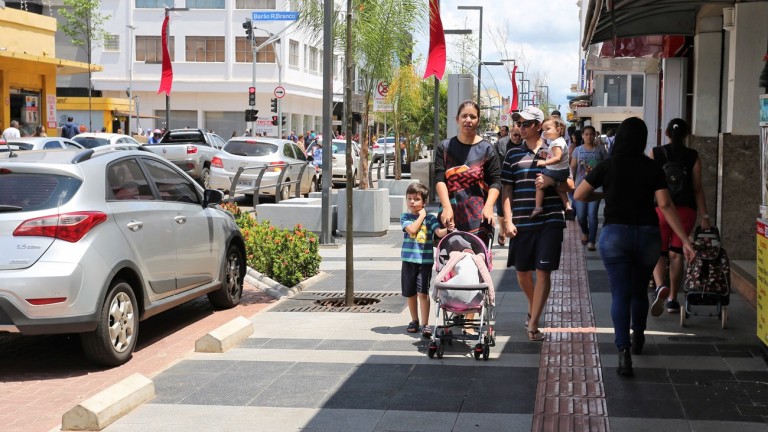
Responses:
[463,286]
[708,278]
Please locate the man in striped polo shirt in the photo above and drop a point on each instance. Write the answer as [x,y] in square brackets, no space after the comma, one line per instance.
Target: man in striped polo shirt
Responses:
[535,244]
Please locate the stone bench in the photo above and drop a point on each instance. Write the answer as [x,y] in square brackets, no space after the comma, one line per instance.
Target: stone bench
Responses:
[305,211]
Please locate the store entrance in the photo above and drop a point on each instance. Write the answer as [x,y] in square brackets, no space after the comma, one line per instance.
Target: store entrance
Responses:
[25,108]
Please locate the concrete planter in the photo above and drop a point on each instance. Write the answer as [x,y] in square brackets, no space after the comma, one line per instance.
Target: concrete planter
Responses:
[370,211]
[396,187]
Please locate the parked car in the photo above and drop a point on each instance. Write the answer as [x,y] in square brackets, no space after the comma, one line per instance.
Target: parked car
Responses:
[338,160]
[191,150]
[94,241]
[44,143]
[276,154]
[379,148]
[97,139]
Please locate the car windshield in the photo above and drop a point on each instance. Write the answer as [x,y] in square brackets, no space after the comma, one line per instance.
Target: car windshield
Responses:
[91,142]
[250,148]
[339,147]
[30,192]
[17,146]
[183,137]
[390,141]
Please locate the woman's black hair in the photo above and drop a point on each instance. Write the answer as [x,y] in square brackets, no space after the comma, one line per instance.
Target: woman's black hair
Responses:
[577,138]
[468,102]
[630,138]
[677,130]
[594,131]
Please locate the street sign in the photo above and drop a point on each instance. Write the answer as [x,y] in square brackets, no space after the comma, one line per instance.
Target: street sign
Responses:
[379,97]
[279,92]
[275,16]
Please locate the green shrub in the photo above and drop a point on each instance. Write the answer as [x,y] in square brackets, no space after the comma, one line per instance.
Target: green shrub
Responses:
[287,256]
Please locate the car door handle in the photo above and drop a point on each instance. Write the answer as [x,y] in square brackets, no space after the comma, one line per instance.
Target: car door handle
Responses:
[181,220]
[135,225]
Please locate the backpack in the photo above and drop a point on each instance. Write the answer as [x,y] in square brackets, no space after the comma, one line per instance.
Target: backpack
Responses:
[676,174]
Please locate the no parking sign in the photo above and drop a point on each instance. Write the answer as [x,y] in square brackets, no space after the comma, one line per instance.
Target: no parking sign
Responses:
[504,119]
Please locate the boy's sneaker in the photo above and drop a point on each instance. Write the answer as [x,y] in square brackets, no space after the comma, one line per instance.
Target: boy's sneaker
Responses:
[673,306]
[657,307]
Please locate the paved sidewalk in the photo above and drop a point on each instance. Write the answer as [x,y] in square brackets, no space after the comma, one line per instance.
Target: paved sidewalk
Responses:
[335,371]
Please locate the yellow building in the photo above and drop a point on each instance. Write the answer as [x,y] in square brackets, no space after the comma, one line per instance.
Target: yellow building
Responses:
[28,69]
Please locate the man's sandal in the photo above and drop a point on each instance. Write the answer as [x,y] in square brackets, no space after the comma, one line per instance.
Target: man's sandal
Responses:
[535,335]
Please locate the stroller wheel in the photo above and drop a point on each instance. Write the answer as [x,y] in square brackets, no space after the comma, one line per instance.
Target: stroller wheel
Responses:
[478,351]
[723,316]
[486,351]
[440,350]
[432,350]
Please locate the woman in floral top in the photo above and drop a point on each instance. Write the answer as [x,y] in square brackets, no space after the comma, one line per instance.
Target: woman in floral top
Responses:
[584,158]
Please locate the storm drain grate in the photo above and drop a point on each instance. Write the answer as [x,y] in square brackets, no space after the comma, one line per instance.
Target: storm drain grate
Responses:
[745,386]
[365,302]
[697,339]
[753,410]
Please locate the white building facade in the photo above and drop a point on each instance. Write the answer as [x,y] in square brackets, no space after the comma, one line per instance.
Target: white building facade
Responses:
[212,65]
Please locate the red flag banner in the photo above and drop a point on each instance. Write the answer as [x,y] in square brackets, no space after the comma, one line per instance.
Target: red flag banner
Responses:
[436,58]
[167,78]
[514,104]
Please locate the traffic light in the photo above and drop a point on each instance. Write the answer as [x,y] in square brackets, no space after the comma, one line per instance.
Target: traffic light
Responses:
[274,120]
[251,115]
[274,105]
[283,123]
[252,96]
[248,26]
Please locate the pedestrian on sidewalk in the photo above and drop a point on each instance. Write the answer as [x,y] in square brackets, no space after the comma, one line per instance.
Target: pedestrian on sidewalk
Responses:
[557,164]
[419,227]
[535,243]
[467,179]
[585,158]
[687,198]
[630,238]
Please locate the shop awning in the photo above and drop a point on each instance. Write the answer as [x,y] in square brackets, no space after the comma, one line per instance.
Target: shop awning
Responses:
[609,19]
[63,67]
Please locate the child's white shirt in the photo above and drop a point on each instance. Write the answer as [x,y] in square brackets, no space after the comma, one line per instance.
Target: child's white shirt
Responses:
[565,161]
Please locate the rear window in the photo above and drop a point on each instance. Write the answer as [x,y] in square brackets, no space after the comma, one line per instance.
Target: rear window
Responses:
[91,142]
[250,148]
[182,137]
[18,146]
[33,192]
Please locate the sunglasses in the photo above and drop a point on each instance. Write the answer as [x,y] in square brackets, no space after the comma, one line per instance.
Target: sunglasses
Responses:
[525,124]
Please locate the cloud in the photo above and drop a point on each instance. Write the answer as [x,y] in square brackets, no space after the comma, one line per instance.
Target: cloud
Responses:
[546,32]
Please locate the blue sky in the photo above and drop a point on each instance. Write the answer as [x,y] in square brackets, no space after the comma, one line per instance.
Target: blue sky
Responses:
[545,33]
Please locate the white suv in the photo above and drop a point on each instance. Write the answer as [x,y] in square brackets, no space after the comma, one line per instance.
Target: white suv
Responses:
[94,241]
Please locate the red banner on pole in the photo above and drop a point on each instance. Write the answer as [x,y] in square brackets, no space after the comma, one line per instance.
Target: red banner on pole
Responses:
[436,57]
[167,78]
[514,104]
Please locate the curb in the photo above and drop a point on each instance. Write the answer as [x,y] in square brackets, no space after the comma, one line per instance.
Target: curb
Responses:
[225,337]
[109,405]
[277,290]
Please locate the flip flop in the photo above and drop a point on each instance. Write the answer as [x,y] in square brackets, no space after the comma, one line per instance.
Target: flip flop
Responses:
[536,335]
[413,326]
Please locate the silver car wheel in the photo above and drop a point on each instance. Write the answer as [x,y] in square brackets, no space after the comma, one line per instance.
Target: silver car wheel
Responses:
[228,296]
[121,322]
[234,286]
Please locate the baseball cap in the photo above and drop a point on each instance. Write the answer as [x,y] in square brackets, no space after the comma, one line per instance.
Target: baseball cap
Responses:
[156,131]
[529,113]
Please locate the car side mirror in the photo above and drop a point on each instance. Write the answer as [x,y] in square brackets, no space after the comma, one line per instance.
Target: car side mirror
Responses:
[212,196]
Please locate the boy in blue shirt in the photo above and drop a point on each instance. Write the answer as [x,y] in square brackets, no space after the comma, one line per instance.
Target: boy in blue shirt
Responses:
[418,256]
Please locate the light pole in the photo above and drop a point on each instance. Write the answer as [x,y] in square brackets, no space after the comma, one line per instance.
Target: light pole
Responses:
[490,63]
[275,42]
[526,84]
[130,77]
[168,44]
[480,48]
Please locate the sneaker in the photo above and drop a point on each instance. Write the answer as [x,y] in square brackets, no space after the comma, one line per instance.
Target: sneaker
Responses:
[658,303]
[591,247]
[673,306]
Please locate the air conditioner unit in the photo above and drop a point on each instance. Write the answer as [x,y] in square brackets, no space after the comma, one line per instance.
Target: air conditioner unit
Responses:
[729,18]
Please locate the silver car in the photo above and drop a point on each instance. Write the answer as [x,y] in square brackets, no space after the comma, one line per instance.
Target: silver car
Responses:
[98,139]
[271,155]
[43,143]
[95,241]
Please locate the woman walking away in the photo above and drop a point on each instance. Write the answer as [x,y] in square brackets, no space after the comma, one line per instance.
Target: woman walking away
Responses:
[585,158]
[687,195]
[629,240]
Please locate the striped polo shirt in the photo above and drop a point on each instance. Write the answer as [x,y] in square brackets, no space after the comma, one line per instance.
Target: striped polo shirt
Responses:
[519,170]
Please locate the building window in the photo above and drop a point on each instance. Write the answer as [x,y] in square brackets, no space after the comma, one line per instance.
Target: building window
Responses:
[320,61]
[613,90]
[306,57]
[335,66]
[205,4]
[243,51]
[111,42]
[151,4]
[255,4]
[149,49]
[205,49]
[637,85]
[313,59]
[293,53]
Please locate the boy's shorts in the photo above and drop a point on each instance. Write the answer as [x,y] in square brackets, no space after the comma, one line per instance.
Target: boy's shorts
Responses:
[669,240]
[536,250]
[415,278]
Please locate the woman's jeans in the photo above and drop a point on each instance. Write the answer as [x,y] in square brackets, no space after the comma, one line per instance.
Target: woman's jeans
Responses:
[629,253]
[586,214]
